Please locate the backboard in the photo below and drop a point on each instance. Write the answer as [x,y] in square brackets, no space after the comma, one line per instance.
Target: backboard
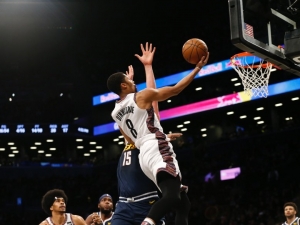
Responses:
[259,27]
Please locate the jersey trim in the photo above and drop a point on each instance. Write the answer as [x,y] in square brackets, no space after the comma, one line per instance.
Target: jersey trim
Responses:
[129,147]
[152,194]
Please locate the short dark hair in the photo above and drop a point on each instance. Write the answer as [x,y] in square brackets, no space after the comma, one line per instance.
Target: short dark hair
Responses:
[291,204]
[49,198]
[114,82]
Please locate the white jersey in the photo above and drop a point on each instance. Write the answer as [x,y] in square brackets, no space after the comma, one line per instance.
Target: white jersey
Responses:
[143,127]
[138,124]
[68,220]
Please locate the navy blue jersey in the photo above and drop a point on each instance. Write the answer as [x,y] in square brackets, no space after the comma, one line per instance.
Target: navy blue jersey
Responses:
[131,179]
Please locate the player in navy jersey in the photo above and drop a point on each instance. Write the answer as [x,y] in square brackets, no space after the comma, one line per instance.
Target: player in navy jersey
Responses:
[54,204]
[104,216]
[137,192]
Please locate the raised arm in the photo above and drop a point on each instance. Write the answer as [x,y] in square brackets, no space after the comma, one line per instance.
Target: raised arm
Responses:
[147,59]
[150,94]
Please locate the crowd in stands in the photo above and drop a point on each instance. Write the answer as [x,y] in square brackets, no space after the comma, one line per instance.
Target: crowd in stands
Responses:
[269,166]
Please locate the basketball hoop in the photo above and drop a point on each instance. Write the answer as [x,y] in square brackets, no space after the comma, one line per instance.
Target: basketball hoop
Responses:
[254,72]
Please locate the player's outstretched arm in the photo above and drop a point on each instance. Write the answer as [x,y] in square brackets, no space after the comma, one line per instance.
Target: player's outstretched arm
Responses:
[147,58]
[161,94]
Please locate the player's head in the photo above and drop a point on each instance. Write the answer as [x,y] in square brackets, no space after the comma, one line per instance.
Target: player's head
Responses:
[290,209]
[54,200]
[105,204]
[119,83]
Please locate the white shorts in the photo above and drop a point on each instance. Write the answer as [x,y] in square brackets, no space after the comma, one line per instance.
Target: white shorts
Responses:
[156,156]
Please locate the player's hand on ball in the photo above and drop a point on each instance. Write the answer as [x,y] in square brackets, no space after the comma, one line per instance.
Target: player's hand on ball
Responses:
[203,61]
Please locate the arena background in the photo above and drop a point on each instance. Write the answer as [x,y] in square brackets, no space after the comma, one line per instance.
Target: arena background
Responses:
[55,56]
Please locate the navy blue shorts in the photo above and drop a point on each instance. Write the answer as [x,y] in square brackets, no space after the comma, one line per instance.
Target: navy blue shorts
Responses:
[132,213]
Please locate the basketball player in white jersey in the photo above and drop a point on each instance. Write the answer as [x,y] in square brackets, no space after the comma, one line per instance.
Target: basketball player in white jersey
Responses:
[105,213]
[290,213]
[54,204]
[140,126]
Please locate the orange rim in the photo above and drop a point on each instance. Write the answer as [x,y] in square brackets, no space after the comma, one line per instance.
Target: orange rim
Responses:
[246,54]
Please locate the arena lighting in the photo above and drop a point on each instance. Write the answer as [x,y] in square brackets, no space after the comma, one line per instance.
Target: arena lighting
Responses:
[295,98]
[243,117]
[214,103]
[257,118]
[229,174]
[187,122]
[173,79]
[278,104]
[230,113]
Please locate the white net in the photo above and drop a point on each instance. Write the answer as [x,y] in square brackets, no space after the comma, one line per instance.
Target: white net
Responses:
[254,74]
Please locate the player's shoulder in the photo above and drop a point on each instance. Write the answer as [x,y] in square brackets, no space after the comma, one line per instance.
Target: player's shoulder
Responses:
[44,223]
[78,219]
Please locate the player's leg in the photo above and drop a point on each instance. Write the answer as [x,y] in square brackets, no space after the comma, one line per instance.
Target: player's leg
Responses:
[123,214]
[183,209]
[119,221]
[170,188]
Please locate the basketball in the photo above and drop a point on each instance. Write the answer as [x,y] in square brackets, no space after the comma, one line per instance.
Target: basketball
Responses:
[193,50]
